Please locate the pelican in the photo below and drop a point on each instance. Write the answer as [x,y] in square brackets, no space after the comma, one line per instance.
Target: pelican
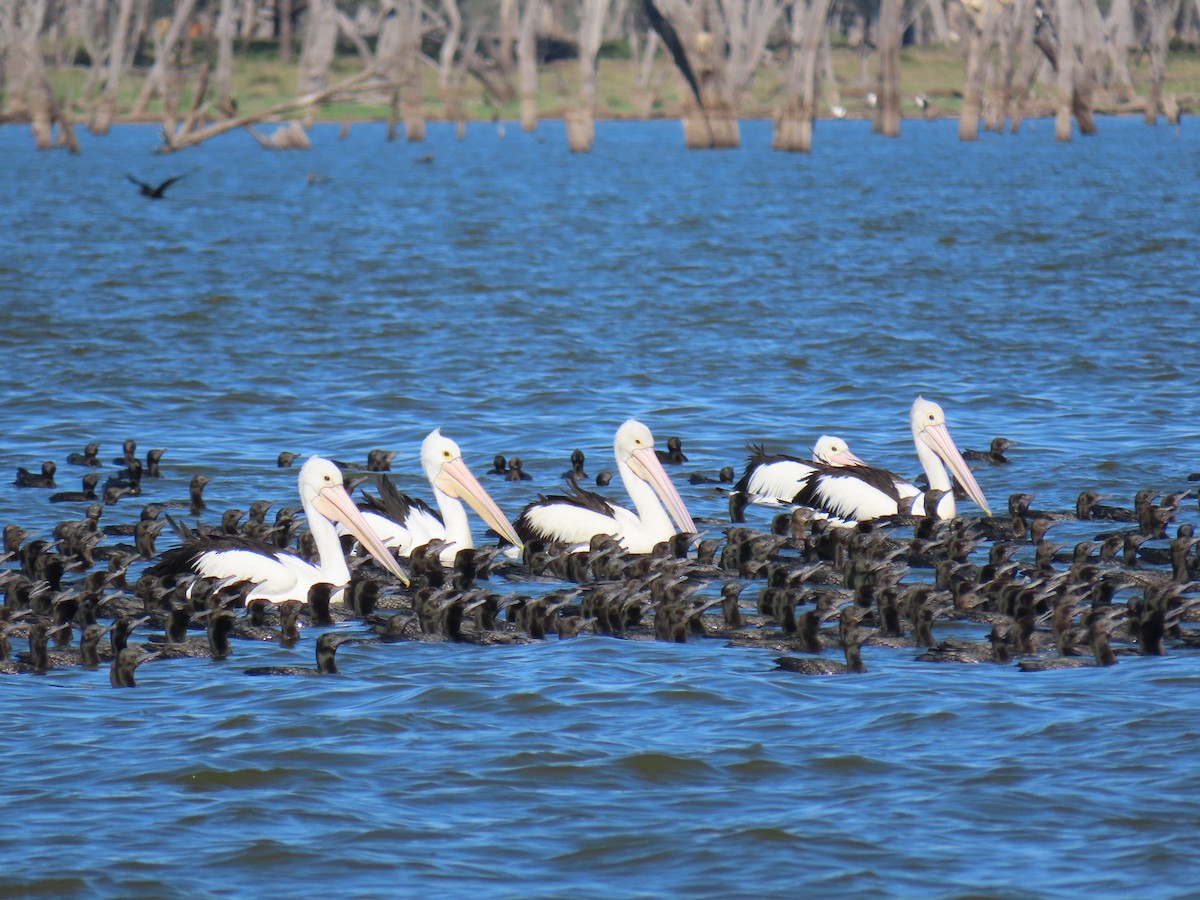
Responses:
[405,523]
[772,479]
[833,451]
[278,575]
[579,518]
[849,493]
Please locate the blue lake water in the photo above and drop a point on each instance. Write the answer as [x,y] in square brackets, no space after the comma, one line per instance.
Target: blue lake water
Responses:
[527,301]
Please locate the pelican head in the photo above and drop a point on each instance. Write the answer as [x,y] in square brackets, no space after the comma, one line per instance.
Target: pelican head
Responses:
[323,490]
[444,467]
[833,451]
[634,446]
[929,431]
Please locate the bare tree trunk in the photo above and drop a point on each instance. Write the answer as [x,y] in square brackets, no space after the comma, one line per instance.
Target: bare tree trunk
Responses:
[158,79]
[794,122]
[890,32]
[226,28]
[644,82]
[389,62]
[29,93]
[1087,69]
[527,73]
[1065,62]
[1161,15]
[107,107]
[410,70]
[507,31]
[968,116]
[285,30]
[581,126]
[937,15]
[317,50]
[1015,29]
[448,85]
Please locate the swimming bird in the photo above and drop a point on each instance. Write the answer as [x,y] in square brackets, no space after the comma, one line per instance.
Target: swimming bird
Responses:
[276,574]
[88,457]
[578,518]
[90,480]
[154,192]
[833,451]
[327,645]
[153,462]
[576,471]
[775,478]
[44,479]
[195,502]
[674,452]
[516,470]
[994,454]
[404,523]
[120,673]
[851,645]
[285,459]
[851,493]
[128,451]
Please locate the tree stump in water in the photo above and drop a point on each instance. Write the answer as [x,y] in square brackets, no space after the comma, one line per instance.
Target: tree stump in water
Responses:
[714,128]
[793,130]
[581,131]
[529,113]
[1171,109]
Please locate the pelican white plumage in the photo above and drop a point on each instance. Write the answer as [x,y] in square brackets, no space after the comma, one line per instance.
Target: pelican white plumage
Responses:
[850,493]
[660,514]
[277,574]
[404,523]
[772,479]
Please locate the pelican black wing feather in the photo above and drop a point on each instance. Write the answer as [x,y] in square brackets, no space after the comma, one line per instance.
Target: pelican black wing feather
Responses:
[395,504]
[670,37]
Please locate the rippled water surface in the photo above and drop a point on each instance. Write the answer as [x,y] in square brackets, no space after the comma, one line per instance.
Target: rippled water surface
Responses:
[527,301]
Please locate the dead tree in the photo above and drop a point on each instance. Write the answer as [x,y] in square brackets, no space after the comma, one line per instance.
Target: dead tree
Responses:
[285,31]
[580,122]
[1160,15]
[29,92]
[716,46]
[646,83]
[317,50]
[983,24]
[1062,40]
[1013,37]
[226,28]
[398,61]
[448,86]
[889,32]
[107,107]
[162,74]
[527,71]
[794,120]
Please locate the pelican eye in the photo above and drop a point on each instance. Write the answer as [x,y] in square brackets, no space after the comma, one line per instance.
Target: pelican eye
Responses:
[445,454]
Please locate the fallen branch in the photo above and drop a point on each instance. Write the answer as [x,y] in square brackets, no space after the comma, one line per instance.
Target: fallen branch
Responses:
[351,85]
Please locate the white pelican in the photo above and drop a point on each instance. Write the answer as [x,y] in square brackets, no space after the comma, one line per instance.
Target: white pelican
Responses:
[858,492]
[278,575]
[833,451]
[772,479]
[405,523]
[579,518]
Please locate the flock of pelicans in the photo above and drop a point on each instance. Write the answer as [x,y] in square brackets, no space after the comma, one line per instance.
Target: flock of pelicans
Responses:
[857,556]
